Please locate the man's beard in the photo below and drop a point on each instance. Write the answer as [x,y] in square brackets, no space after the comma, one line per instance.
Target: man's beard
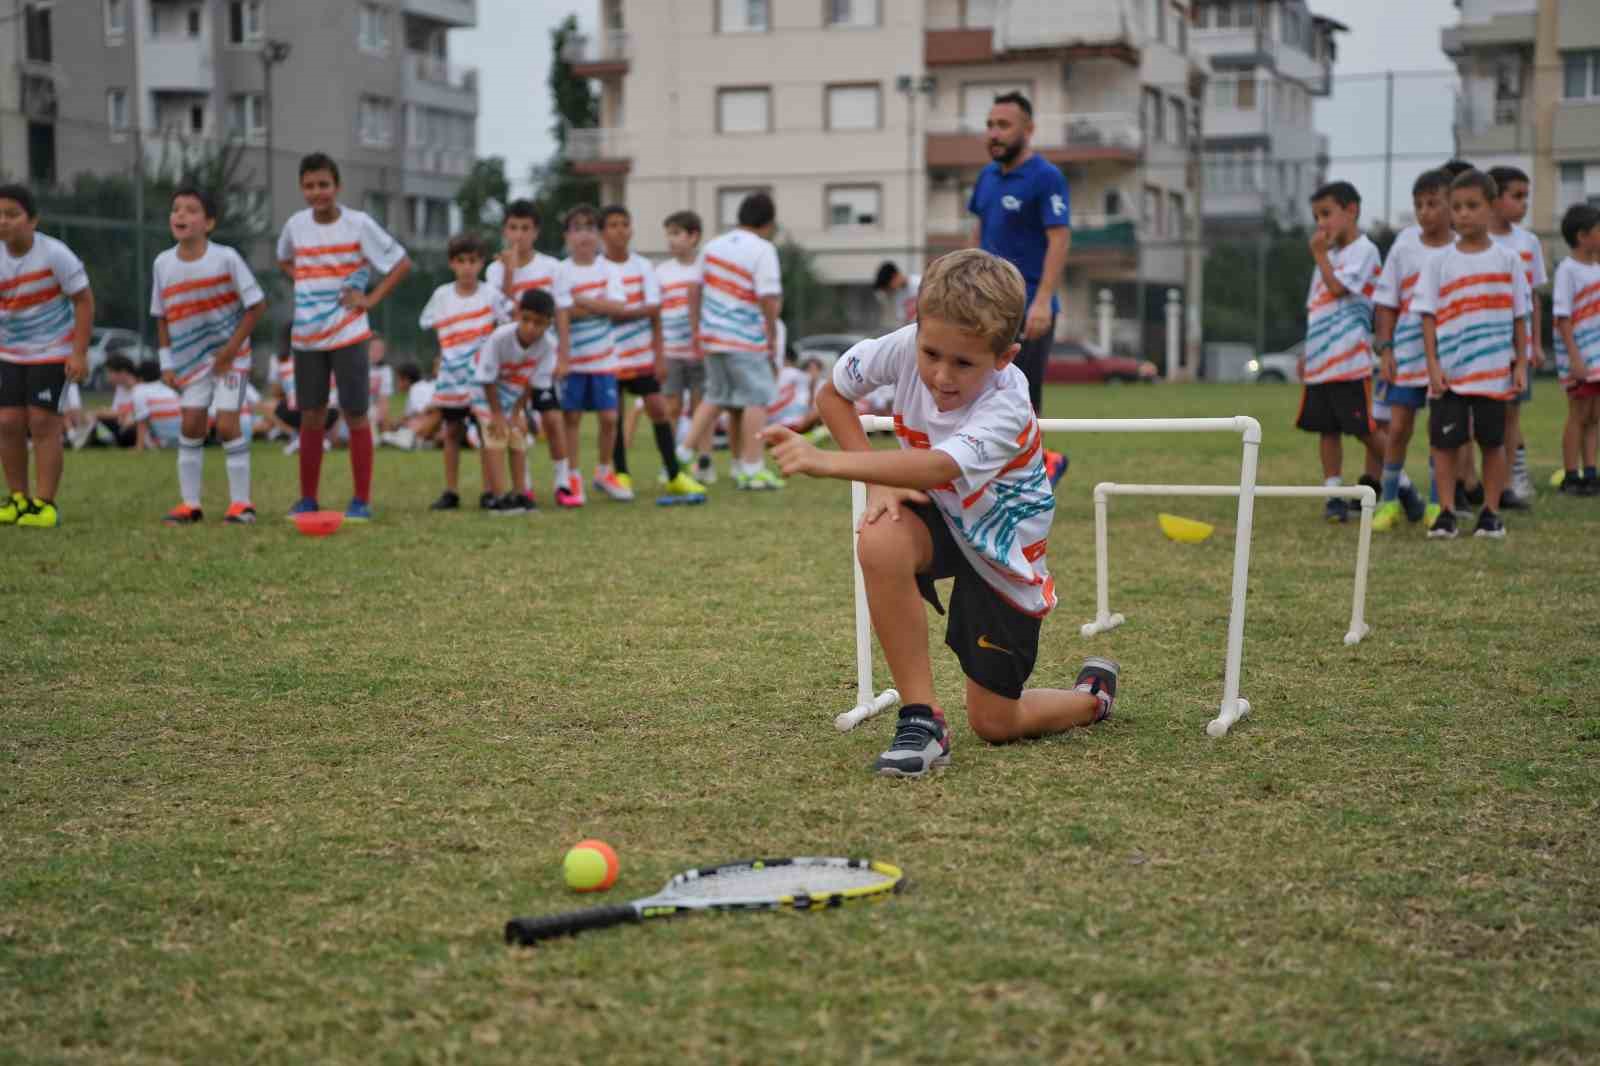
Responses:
[1009,153]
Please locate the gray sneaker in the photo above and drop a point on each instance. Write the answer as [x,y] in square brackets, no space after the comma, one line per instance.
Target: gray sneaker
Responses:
[921,742]
[1098,678]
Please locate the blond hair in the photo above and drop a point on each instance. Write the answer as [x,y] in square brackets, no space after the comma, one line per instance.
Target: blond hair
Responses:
[977,292]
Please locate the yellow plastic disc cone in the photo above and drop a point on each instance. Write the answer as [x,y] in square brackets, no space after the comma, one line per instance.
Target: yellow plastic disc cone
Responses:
[1557,478]
[1184,530]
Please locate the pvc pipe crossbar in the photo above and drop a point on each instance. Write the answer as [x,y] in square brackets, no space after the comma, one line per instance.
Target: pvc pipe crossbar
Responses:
[1233,705]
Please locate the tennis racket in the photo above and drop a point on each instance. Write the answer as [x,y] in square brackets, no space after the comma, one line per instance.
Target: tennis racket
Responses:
[757,884]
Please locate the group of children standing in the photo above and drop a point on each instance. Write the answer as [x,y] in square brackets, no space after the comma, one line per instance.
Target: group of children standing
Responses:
[1453,322]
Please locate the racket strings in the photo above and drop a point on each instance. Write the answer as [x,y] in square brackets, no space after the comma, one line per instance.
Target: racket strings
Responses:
[772,882]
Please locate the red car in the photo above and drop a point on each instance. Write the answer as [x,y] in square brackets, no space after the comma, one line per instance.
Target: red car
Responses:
[1075,362]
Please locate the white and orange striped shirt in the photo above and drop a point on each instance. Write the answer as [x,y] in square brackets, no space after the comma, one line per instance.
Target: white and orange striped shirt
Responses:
[1526,244]
[793,401]
[1339,329]
[634,338]
[203,301]
[1576,295]
[1000,507]
[737,269]
[36,316]
[157,406]
[593,346]
[1474,299]
[328,259]
[1396,286]
[463,322]
[538,273]
[678,282]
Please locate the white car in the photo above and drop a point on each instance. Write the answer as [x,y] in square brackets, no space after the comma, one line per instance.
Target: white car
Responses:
[108,341]
[1275,367]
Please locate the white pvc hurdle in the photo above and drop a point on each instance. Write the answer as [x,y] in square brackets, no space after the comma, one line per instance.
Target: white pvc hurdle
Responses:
[1105,619]
[1234,706]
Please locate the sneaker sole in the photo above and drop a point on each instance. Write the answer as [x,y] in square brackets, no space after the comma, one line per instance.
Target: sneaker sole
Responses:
[240,520]
[895,771]
[686,500]
[1490,534]
[1434,534]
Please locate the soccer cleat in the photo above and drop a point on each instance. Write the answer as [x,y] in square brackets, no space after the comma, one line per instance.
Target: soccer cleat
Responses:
[1523,486]
[1387,516]
[1098,678]
[12,508]
[530,503]
[1512,500]
[508,505]
[1337,509]
[293,447]
[447,501]
[1588,487]
[240,514]
[625,480]
[304,505]
[565,497]
[1430,514]
[41,514]
[1055,466]
[1569,486]
[741,481]
[1443,527]
[764,480]
[613,488]
[358,511]
[1472,496]
[1490,525]
[486,501]
[182,515]
[921,742]
[684,485]
[705,471]
[1411,502]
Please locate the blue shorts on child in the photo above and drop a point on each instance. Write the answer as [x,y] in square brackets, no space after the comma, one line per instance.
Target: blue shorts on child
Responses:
[589,392]
[1414,397]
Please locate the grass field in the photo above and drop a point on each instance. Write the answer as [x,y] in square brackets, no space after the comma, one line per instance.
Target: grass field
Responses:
[270,799]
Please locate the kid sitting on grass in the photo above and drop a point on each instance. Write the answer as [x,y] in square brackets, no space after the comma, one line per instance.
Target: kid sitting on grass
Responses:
[965,497]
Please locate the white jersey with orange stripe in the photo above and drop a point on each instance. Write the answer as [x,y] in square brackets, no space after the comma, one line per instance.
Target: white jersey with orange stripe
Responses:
[593,346]
[203,300]
[1530,250]
[158,408]
[328,258]
[793,401]
[1339,328]
[679,281]
[999,508]
[737,269]
[1474,299]
[537,273]
[634,338]
[463,322]
[36,316]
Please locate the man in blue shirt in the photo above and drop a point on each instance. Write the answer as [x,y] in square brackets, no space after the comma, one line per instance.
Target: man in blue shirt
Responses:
[1024,217]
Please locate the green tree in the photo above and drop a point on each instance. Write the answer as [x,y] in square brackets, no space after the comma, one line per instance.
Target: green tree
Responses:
[574,106]
[484,193]
[810,305]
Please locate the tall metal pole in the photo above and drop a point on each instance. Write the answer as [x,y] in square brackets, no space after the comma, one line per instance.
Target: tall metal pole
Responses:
[1388,146]
[272,53]
[136,28]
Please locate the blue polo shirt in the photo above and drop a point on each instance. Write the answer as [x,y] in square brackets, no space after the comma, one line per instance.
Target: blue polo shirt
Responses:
[1015,209]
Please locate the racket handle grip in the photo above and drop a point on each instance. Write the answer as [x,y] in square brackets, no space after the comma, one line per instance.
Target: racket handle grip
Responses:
[527,931]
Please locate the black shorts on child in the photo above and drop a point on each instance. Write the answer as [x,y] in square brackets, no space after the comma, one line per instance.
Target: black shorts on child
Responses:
[542,400]
[996,643]
[33,385]
[1337,407]
[1454,419]
[639,385]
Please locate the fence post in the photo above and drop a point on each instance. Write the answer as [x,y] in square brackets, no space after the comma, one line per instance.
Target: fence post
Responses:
[1174,336]
[1103,312]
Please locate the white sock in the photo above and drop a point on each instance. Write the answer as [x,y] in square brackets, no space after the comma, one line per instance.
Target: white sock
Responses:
[527,480]
[191,463]
[685,455]
[236,457]
[563,473]
[602,471]
[1332,482]
[1405,480]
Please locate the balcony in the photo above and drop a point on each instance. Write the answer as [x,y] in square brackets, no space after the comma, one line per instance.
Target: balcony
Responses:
[1496,31]
[598,153]
[430,80]
[970,38]
[606,56]
[457,14]
[1492,126]
[177,63]
[1080,138]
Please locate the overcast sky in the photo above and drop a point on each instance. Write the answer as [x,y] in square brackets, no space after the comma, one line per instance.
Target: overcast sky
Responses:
[511,48]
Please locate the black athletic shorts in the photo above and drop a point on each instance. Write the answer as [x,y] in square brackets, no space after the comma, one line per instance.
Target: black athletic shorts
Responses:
[1337,407]
[996,643]
[33,385]
[291,416]
[1453,419]
[542,400]
[639,385]
[350,369]
[455,415]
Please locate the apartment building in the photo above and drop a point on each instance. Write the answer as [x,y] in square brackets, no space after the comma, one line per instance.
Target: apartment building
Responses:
[864,119]
[1263,156]
[1530,95]
[370,83]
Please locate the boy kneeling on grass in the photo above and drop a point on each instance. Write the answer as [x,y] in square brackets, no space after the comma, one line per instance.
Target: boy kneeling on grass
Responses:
[966,496]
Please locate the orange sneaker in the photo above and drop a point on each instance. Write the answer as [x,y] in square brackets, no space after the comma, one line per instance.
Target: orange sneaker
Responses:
[182,515]
[240,514]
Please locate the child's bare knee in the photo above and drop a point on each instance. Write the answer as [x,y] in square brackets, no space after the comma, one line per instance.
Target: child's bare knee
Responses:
[883,548]
[993,724]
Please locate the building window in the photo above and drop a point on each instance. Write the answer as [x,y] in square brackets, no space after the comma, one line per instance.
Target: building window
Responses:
[372,29]
[376,204]
[1183,31]
[1247,92]
[854,107]
[116,20]
[728,200]
[1158,27]
[1580,75]
[37,44]
[197,119]
[1113,203]
[1152,209]
[191,22]
[852,12]
[1175,214]
[375,122]
[244,22]
[1154,116]
[853,205]
[744,110]
[117,110]
[977,97]
[1177,122]
[1224,92]
[1572,186]
[246,116]
[742,16]
[1244,14]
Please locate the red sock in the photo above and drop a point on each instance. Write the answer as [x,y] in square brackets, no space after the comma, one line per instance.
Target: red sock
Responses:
[361,462]
[310,459]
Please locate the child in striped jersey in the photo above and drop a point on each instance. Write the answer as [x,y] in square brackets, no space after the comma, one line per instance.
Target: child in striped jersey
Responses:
[641,355]
[588,293]
[206,304]
[1473,299]
[1337,364]
[464,312]
[46,312]
[331,253]
[965,496]
[157,413]
[1576,307]
[1509,208]
[680,316]
[1398,344]
[519,267]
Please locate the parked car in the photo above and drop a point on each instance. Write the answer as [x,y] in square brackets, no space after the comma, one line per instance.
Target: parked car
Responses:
[107,341]
[830,346]
[1079,362]
[1275,367]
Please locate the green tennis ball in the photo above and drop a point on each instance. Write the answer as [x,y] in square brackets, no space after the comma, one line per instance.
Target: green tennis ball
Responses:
[591,866]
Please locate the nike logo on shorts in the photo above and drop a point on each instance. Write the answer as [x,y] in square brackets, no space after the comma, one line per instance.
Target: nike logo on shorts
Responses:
[987,645]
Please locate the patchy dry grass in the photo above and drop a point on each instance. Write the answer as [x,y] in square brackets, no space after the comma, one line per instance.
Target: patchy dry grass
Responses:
[270,799]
